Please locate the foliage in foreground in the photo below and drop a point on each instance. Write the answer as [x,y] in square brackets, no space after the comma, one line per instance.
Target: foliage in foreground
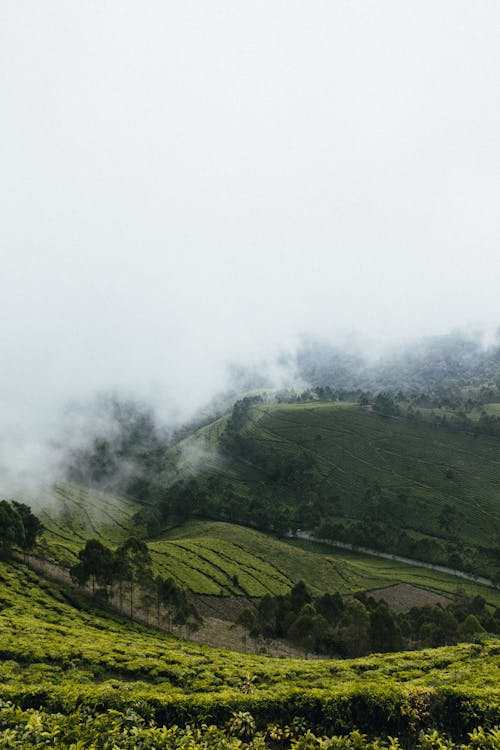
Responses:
[56,658]
[131,730]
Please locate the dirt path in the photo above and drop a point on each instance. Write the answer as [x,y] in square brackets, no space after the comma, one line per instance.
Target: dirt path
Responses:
[397,558]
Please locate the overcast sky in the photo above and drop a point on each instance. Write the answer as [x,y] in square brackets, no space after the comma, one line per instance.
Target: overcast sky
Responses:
[187,182]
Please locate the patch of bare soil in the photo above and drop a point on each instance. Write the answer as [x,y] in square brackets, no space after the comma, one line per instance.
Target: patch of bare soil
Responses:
[224,634]
[222,607]
[403,596]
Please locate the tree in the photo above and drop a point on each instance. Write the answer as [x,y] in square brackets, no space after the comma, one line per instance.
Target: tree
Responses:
[96,563]
[385,633]
[308,629]
[384,404]
[32,526]
[135,562]
[469,628]
[178,608]
[248,620]
[354,630]
[299,595]
[121,572]
[331,607]
[11,528]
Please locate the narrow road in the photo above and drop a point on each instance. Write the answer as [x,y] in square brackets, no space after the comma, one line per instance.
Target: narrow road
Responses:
[397,558]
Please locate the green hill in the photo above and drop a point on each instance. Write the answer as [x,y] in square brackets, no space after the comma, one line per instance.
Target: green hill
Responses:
[72,513]
[217,558]
[405,486]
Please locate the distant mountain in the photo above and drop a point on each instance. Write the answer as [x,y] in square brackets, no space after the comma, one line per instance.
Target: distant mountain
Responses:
[452,361]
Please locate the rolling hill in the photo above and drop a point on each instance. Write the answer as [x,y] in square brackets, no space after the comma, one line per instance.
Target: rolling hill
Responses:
[409,487]
[70,669]
[213,558]
[67,667]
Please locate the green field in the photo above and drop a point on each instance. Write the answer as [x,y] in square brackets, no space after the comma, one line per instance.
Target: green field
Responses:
[207,557]
[353,449]
[72,514]
[438,487]
[59,653]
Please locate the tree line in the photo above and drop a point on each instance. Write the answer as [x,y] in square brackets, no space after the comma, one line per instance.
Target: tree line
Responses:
[126,572]
[359,625]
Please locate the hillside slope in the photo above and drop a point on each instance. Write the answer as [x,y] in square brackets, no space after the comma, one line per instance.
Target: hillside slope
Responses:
[58,653]
[218,558]
[409,487]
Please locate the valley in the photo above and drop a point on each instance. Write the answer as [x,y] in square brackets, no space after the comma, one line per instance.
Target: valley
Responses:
[271,502]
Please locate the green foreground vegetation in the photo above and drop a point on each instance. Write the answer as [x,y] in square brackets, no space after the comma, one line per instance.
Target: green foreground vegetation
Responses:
[59,656]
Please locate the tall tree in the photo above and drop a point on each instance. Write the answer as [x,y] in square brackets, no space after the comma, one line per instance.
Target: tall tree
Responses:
[11,527]
[32,525]
[96,563]
[136,562]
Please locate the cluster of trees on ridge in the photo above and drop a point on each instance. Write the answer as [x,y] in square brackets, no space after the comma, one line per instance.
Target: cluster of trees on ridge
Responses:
[19,527]
[126,571]
[359,625]
[454,361]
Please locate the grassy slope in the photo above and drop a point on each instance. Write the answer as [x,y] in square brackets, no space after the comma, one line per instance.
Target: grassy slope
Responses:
[352,449]
[54,653]
[204,556]
[73,513]
[382,573]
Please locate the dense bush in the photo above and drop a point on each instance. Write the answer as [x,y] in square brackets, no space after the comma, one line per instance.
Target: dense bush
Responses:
[133,730]
[362,625]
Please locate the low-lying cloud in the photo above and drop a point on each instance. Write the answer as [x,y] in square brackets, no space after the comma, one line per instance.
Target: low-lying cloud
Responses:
[189,187]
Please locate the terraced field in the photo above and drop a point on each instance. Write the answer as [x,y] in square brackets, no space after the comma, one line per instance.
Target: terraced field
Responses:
[422,470]
[215,558]
[59,653]
[435,485]
[72,514]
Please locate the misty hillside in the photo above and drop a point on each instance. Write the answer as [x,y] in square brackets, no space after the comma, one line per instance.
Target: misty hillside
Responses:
[413,487]
[411,468]
[436,364]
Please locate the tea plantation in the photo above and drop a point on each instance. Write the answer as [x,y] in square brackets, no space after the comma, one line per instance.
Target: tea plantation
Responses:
[71,674]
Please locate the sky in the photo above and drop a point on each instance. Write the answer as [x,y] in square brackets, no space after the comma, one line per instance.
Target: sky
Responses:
[188,183]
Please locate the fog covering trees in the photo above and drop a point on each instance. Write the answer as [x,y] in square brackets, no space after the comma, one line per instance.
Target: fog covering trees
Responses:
[433,364]
[122,449]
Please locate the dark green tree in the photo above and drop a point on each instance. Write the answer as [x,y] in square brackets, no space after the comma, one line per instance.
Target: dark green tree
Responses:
[355,629]
[96,564]
[299,595]
[11,528]
[135,561]
[308,629]
[32,526]
[385,633]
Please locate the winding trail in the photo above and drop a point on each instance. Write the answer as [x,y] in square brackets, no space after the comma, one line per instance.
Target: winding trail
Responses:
[397,558]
